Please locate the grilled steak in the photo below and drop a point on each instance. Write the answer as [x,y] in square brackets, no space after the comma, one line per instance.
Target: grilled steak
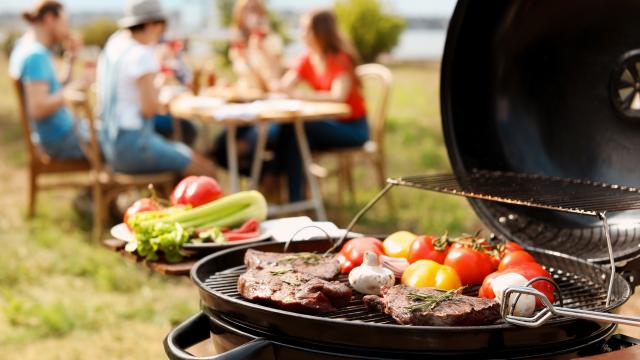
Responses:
[309,263]
[399,302]
[294,291]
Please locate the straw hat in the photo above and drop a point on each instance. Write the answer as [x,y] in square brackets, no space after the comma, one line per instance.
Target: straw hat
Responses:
[138,12]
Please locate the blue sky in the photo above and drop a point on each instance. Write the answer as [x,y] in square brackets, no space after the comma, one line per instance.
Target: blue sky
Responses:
[403,7]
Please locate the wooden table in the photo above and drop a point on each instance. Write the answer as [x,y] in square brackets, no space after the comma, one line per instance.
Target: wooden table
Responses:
[183,107]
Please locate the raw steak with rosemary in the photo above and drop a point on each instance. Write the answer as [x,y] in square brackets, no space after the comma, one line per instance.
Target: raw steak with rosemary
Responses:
[431,307]
[287,289]
[324,267]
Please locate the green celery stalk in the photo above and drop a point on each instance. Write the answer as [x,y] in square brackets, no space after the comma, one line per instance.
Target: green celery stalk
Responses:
[219,209]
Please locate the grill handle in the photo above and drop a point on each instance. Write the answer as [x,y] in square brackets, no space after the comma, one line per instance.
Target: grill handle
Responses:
[197,329]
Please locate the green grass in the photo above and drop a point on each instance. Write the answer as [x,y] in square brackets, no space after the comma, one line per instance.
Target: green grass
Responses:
[414,145]
[63,297]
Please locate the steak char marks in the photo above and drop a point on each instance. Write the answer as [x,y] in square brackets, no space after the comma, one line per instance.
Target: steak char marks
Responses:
[289,290]
[316,265]
[458,310]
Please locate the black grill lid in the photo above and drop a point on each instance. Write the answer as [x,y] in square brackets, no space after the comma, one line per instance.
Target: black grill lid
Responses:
[552,88]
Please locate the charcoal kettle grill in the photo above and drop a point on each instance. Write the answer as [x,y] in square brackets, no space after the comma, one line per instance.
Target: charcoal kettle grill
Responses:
[536,95]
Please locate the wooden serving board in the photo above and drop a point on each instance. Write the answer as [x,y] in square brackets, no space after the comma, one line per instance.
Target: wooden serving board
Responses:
[173,269]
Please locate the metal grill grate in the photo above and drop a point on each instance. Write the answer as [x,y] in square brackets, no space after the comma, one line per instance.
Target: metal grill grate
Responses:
[579,292]
[553,193]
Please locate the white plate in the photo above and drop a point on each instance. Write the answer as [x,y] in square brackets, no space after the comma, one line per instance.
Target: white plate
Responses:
[122,232]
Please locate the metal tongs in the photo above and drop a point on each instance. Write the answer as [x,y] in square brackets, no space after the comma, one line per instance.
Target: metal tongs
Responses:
[550,310]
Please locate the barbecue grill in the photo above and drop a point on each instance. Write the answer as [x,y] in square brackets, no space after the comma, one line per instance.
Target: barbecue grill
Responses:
[536,95]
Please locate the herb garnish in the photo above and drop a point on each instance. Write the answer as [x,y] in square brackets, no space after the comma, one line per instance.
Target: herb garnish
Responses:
[279,271]
[306,257]
[427,302]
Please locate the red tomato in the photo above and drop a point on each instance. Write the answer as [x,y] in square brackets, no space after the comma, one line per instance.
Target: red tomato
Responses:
[510,246]
[471,265]
[422,248]
[515,258]
[529,271]
[495,261]
[139,206]
[353,251]
[196,191]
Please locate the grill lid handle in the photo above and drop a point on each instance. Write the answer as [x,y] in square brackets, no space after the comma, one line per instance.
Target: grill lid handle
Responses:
[197,329]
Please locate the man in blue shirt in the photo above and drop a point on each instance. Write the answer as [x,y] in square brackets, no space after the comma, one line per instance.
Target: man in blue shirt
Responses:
[31,62]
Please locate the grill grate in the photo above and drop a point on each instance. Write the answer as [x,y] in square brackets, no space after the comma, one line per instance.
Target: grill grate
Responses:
[553,193]
[585,242]
[579,292]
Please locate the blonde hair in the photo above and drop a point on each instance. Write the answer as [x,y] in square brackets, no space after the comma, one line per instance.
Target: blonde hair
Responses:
[237,22]
[40,9]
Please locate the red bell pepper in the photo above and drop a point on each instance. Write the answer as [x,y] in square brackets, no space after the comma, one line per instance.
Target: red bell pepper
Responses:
[250,225]
[240,236]
[248,230]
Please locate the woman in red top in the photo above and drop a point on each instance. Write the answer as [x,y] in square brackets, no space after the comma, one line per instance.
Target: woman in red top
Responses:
[328,67]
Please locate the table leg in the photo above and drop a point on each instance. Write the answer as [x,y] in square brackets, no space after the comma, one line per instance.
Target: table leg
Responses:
[258,156]
[204,137]
[305,153]
[232,158]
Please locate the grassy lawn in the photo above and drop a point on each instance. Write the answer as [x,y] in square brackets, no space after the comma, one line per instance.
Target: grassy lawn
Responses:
[62,297]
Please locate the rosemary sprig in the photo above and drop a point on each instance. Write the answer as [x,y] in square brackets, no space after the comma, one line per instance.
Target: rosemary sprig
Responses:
[279,271]
[306,257]
[427,302]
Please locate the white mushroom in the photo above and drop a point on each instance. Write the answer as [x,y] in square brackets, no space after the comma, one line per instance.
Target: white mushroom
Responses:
[526,304]
[369,277]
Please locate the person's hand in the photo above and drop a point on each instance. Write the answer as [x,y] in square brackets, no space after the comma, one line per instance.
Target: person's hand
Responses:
[256,41]
[81,83]
[163,54]
[72,44]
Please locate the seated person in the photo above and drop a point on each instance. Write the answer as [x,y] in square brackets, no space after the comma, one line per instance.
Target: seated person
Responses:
[31,62]
[255,54]
[255,50]
[328,67]
[128,99]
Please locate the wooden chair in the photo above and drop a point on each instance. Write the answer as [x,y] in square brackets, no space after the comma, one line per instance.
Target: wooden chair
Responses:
[376,80]
[107,184]
[42,164]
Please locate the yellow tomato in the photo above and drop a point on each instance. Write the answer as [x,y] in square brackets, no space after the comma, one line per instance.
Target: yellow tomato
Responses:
[398,244]
[428,273]
[421,273]
[447,278]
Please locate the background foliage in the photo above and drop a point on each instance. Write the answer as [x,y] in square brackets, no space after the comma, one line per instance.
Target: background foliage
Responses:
[97,32]
[372,30]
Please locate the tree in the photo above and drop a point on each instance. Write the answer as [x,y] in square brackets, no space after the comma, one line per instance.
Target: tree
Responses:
[8,41]
[370,28]
[225,11]
[97,32]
